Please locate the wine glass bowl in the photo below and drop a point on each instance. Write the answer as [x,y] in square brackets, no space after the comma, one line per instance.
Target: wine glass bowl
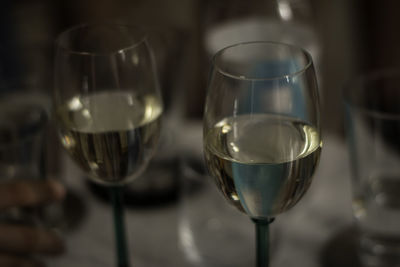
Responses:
[108,107]
[261,128]
[260,183]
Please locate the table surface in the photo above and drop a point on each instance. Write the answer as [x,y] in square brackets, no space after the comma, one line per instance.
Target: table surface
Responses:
[314,233]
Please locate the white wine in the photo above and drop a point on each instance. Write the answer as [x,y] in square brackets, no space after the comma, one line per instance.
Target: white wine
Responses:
[262,163]
[111,135]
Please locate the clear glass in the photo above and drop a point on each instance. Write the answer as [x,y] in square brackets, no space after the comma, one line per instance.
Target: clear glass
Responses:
[372,109]
[108,107]
[261,130]
[23,122]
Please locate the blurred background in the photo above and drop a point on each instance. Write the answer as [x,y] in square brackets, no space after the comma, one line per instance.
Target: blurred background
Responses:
[346,38]
[350,37]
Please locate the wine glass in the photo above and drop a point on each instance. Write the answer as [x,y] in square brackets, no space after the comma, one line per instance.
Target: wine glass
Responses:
[261,130]
[108,107]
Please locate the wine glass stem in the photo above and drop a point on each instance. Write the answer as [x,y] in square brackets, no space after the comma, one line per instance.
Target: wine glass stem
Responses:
[262,241]
[119,226]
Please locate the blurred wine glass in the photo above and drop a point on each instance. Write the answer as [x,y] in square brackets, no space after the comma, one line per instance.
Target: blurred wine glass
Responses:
[108,107]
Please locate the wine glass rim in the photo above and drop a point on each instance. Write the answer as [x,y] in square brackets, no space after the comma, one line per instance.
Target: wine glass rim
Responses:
[358,84]
[277,77]
[140,40]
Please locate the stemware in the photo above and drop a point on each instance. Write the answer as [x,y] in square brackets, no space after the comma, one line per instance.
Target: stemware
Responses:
[261,130]
[108,107]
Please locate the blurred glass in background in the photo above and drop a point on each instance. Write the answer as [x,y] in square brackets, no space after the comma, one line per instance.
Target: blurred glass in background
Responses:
[201,235]
[286,21]
[23,124]
[373,126]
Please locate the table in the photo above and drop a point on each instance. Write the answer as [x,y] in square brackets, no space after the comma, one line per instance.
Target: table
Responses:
[306,236]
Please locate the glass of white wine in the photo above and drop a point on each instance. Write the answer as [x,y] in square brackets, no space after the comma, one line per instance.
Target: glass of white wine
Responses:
[108,107]
[261,130]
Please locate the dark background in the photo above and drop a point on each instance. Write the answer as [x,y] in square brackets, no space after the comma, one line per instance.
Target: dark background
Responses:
[355,36]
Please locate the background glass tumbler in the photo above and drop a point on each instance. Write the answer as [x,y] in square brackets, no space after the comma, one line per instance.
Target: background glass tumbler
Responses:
[23,120]
[211,233]
[372,108]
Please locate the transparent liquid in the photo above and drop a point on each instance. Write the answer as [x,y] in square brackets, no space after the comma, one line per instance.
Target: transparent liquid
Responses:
[262,163]
[110,135]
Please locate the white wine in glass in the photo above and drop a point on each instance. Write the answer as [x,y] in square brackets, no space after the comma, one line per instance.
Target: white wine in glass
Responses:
[262,139]
[111,135]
